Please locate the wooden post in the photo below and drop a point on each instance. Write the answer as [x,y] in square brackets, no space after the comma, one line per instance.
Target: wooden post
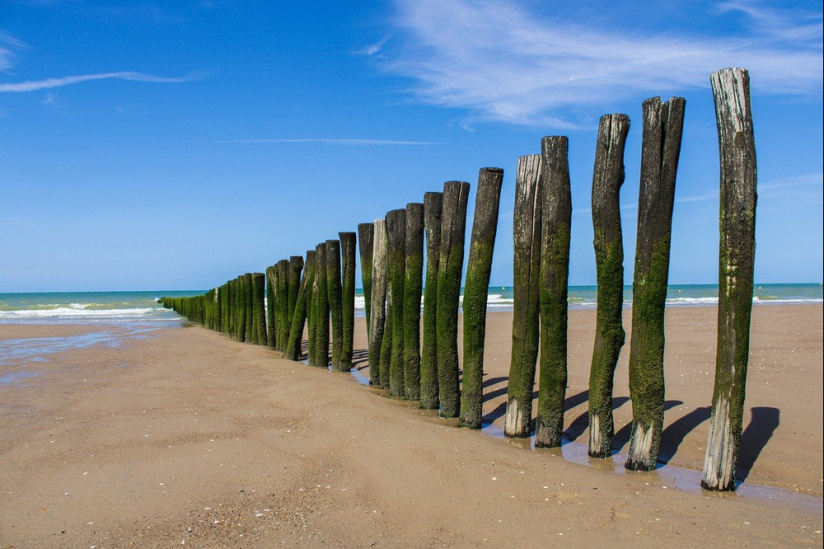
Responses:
[476,290]
[396,263]
[526,269]
[293,349]
[251,334]
[556,220]
[736,144]
[333,290]
[321,309]
[661,147]
[271,335]
[348,243]
[311,303]
[240,310]
[366,234]
[412,288]
[295,269]
[450,268]
[259,307]
[282,303]
[607,178]
[432,207]
[378,298]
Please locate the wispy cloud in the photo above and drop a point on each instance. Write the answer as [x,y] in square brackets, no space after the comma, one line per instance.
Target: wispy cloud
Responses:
[49,83]
[329,141]
[8,44]
[506,62]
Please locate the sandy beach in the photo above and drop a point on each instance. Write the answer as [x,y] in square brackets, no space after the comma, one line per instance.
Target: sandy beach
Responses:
[184,436]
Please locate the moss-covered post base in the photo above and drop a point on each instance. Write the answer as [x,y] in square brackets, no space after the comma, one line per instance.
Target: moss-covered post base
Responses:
[733,112]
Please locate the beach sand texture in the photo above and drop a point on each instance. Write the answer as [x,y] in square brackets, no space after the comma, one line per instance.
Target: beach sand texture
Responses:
[188,437]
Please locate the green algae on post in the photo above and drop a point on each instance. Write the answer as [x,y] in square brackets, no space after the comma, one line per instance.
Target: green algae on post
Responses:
[333,291]
[295,270]
[525,328]
[450,268]
[556,219]
[661,148]
[736,143]
[412,288]
[607,178]
[378,320]
[293,347]
[321,358]
[348,243]
[476,290]
[366,234]
[432,206]
[251,334]
[396,269]
[271,334]
[259,308]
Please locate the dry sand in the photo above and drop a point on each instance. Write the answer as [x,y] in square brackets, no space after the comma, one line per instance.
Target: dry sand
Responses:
[189,437]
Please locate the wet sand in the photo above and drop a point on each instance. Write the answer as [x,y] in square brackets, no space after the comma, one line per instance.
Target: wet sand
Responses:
[188,436]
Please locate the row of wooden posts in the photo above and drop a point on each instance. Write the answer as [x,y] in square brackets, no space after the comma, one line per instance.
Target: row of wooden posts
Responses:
[320,290]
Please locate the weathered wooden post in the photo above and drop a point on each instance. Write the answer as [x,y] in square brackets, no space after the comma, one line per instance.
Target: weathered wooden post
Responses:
[282,303]
[661,147]
[295,269]
[271,331]
[607,178]
[240,310]
[556,220]
[333,290]
[251,334]
[321,309]
[311,303]
[736,144]
[526,282]
[293,349]
[259,307]
[412,288]
[396,263]
[432,207]
[476,290]
[348,243]
[450,268]
[378,298]
[366,234]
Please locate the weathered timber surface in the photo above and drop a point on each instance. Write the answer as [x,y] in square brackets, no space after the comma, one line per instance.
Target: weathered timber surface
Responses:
[476,289]
[378,319]
[249,298]
[432,207]
[366,236]
[271,333]
[607,178]
[333,292]
[556,220]
[293,345]
[295,270]
[282,303]
[450,268]
[396,263]
[526,279]
[348,243]
[661,148]
[736,144]
[321,305]
[259,308]
[412,288]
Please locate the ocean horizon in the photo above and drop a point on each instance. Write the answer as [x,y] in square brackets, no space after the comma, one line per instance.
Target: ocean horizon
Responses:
[143,306]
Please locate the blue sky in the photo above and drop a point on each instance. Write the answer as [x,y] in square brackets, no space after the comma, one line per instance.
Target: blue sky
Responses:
[175,145]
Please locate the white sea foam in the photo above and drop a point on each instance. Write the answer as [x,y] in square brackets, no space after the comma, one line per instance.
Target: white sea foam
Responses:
[79,311]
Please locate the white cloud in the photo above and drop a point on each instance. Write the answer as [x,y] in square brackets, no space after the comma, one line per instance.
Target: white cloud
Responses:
[49,83]
[328,141]
[8,44]
[504,62]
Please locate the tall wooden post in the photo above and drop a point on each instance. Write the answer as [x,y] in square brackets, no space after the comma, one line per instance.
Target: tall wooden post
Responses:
[607,178]
[295,270]
[526,282]
[412,288]
[450,268]
[661,147]
[271,333]
[293,345]
[556,219]
[396,255]
[736,144]
[282,303]
[251,334]
[432,207]
[366,235]
[321,305]
[378,319]
[259,307]
[348,243]
[333,290]
[476,290]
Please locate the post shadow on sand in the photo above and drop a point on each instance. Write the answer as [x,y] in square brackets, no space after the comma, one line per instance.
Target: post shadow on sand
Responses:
[764,420]
[500,410]
[675,433]
[622,435]
[359,358]
[580,423]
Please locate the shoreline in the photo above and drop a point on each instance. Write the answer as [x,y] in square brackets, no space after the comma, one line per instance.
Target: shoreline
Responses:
[145,436]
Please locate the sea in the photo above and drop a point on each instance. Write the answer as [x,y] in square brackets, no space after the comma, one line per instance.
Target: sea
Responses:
[144,306]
